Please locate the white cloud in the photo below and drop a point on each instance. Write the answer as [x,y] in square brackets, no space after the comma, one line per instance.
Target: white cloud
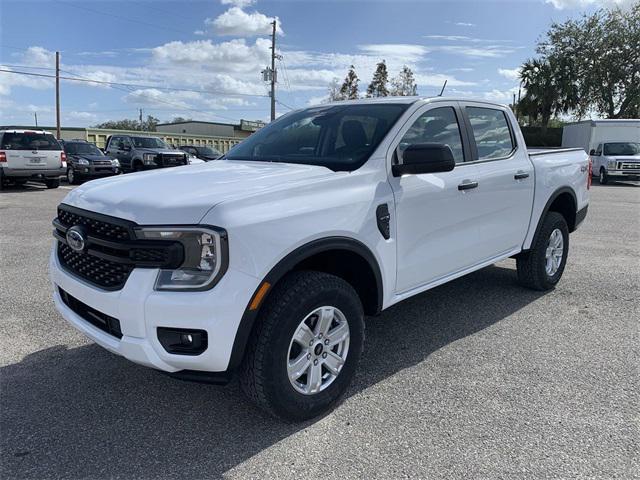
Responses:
[238,3]
[500,96]
[479,51]
[313,101]
[438,79]
[237,22]
[464,24]
[199,32]
[567,4]
[510,73]
[407,52]
[156,97]
[78,116]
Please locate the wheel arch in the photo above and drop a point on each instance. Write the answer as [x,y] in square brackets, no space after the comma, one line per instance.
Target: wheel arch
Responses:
[563,201]
[345,257]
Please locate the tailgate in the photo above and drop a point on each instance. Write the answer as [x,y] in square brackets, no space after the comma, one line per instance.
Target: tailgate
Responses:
[31,150]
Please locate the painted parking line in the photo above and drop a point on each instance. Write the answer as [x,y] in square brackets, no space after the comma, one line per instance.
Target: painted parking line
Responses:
[66,188]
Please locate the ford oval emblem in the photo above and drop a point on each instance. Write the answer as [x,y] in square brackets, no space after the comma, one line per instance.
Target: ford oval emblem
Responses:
[76,239]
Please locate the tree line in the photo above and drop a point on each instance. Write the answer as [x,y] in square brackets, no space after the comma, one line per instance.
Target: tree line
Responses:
[403,84]
[586,66]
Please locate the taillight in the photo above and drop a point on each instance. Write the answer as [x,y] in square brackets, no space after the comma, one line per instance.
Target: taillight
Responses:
[63,160]
[590,173]
[3,157]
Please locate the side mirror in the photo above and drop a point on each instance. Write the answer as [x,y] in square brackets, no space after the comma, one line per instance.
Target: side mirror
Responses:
[592,152]
[425,158]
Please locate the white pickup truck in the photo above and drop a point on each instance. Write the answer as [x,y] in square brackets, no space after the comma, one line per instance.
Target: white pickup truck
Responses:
[265,262]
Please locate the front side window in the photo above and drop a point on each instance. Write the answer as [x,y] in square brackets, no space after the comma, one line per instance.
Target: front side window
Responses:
[621,149]
[599,150]
[438,125]
[148,142]
[339,137]
[491,132]
[29,141]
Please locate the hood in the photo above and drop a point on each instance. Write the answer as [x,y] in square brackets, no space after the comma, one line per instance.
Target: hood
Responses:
[624,158]
[183,195]
[93,158]
[163,151]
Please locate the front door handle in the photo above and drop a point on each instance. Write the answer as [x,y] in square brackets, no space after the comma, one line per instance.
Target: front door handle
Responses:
[467,185]
[520,175]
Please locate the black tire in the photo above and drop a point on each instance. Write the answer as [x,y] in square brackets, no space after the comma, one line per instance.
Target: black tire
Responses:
[137,167]
[603,178]
[531,264]
[264,378]
[72,179]
[52,182]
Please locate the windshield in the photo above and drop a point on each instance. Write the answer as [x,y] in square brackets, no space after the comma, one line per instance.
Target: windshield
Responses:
[148,142]
[29,141]
[339,137]
[621,149]
[82,149]
[207,151]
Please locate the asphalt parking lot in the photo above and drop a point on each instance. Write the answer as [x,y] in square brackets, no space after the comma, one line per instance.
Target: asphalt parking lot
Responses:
[478,378]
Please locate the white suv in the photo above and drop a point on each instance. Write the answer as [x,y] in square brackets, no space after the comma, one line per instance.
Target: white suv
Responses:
[31,155]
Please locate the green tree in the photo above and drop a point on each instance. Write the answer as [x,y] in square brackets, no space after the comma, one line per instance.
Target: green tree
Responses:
[334,91]
[404,85]
[349,88]
[378,85]
[124,124]
[592,64]
[149,125]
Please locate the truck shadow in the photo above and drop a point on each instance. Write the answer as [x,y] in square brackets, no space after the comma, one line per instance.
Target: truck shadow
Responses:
[83,412]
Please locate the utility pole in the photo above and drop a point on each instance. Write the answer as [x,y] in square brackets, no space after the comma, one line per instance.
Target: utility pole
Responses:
[141,120]
[57,94]
[35,115]
[273,71]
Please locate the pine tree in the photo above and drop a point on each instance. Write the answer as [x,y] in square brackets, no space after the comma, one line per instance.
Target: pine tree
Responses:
[404,85]
[378,85]
[349,89]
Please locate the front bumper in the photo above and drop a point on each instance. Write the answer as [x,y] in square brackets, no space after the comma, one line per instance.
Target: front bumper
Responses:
[29,173]
[93,171]
[141,310]
[628,174]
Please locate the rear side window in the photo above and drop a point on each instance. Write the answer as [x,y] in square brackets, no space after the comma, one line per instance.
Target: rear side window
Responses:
[491,132]
[29,141]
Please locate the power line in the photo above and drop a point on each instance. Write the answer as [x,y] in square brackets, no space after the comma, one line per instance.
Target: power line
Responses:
[284,105]
[133,85]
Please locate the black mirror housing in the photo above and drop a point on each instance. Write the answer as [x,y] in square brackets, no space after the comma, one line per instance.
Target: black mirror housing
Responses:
[425,158]
[592,152]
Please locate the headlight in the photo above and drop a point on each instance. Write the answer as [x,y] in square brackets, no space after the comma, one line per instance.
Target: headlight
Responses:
[611,164]
[205,256]
[115,162]
[149,158]
[82,161]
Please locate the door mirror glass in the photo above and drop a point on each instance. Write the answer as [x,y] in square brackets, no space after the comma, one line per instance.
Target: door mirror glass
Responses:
[425,158]
[592,152]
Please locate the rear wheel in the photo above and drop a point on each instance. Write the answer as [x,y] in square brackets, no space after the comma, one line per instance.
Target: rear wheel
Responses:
[71,176]
[541,267]
[52,182]
[306,346]
[603,178]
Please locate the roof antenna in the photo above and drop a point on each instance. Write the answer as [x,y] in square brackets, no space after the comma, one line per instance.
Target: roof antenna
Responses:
[443,87]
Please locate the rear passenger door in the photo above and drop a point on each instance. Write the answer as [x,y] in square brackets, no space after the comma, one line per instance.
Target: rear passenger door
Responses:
[504,176]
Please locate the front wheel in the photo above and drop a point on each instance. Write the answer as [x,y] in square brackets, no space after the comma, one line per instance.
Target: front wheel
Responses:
[306,346]
[71,176]
[603,178]
[541,267]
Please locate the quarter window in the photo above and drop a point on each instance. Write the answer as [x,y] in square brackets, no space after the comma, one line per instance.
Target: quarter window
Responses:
[438,125]
[491,132]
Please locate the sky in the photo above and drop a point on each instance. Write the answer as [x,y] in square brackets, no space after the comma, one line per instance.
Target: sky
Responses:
[202,59]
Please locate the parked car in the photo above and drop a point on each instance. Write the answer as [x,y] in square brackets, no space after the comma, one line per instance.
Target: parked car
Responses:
[86,161]
[203,153]
[137,153]
[265,263]
[31,155]
[616,161]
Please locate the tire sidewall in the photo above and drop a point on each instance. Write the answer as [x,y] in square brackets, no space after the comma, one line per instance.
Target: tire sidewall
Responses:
[285,400]
[552,222]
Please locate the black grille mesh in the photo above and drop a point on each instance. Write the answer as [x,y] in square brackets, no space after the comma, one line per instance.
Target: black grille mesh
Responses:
[95,227]
[96,270]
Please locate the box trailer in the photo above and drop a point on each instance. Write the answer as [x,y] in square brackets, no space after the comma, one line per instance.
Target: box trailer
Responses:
[614,146]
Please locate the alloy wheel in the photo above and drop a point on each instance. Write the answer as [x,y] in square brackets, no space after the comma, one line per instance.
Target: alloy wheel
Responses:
[554,252]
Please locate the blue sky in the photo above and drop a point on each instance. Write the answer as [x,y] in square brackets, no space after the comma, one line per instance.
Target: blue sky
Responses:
[202,59]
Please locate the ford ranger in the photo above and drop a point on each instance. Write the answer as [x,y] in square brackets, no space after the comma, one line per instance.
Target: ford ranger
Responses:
[265,262]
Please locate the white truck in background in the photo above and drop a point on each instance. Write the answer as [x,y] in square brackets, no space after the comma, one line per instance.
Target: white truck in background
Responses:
[264,263]
[614,146]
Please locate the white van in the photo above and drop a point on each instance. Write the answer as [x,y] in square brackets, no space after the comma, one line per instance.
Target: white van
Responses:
[31,155]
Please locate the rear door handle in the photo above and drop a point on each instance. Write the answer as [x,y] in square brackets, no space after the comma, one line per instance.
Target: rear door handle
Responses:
[520,175]
[467,185]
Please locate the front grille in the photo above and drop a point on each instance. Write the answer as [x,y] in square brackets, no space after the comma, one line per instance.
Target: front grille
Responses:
[102,162]
[98,319]
[101,272]
[111,249]
[630,166]
[168,160]
[94,226]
